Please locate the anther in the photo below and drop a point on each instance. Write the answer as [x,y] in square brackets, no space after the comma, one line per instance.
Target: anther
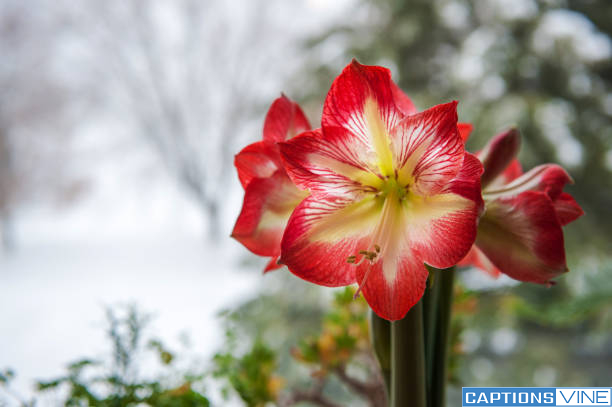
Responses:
[368,255]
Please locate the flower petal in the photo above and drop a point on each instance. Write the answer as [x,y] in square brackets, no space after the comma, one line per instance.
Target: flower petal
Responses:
[549,178]
[327,242]
[406,106]
[522,237]
[333,163]
[268,203]
[392,300]
[428,149]
[361,100]
[465,129]
[567,208]
[284,120]
[257,160]
[442,228]
[497,155]
[321,235]
[512,172]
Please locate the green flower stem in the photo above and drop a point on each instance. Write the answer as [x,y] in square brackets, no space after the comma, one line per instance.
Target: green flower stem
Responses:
[437,390]
[381,342]
[430,307]
[408,360]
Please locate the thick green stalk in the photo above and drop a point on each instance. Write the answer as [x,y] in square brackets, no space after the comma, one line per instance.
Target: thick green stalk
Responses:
[437,390]
[430,307]
[408,360]
[381,342]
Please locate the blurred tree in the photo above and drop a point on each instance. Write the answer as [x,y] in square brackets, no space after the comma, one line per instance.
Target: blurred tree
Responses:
[33,113]
[544,66]
[188,76]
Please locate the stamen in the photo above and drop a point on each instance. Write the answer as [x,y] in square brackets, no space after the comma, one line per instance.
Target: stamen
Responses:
[371,256]
[368,255]
[381,236]
[365,277]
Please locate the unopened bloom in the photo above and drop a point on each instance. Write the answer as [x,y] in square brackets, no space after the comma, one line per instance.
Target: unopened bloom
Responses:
[269,196]
[390,189]
[520,232]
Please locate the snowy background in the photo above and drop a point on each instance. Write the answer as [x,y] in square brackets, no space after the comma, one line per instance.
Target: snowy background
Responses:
[123,225]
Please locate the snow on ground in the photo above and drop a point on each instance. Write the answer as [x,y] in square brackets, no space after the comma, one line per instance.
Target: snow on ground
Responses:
[53,298]
[133,239]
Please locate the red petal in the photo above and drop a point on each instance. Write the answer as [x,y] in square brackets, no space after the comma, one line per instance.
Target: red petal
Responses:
[402,101]
[268,202]
[549,178]
[392,300]
[497,155]
[257,160]
[553,179]
[522,237]
[445,240]
[567,208]
[477,258]
[512,172]
[320,236]
[465,129]
[427,148]
[284,120]
[331,164]
[346,101]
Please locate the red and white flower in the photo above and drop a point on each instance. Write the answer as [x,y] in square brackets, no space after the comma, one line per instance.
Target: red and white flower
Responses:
[520,232]
[270,195]
[390,189]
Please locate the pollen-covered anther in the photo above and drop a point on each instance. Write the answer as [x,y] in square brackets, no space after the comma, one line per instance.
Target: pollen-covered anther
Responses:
[368,254]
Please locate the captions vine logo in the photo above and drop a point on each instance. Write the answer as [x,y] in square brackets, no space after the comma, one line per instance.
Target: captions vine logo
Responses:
[536,396]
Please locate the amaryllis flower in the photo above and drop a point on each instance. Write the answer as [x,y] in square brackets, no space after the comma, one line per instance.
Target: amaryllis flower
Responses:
[269,196]
[391,189]
[520,232]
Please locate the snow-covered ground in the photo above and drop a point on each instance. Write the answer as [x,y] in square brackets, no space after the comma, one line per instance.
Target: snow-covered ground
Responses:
[53,297]
[132,239]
